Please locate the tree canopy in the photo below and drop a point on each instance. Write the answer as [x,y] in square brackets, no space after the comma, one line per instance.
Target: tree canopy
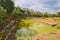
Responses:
[7,4]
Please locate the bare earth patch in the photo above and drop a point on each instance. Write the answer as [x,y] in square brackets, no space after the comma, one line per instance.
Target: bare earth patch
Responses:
[53,36]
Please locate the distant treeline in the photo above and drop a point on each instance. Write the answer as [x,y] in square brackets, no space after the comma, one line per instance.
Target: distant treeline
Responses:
[32,13]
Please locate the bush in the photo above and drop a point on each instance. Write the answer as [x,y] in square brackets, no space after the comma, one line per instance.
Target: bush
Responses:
[2,14]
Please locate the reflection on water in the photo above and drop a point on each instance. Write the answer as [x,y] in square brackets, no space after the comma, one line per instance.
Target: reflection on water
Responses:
[25,33]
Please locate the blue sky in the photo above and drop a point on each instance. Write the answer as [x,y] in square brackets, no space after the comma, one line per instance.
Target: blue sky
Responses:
[40,5]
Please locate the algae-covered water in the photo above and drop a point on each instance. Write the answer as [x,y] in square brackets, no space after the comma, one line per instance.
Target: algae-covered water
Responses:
[29,28]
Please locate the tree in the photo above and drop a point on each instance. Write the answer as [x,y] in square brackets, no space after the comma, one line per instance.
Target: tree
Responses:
[58,14]
[53,15]
[39,14]
[7,4]
[27,12]
[17,12]
[46,14]
[2,13]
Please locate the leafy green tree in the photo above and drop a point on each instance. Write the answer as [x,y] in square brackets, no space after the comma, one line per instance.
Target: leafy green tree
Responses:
[17,12]
[7,4]
[28,13]
[2,14]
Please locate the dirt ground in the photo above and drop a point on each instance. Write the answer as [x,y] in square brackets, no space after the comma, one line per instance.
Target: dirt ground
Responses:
[53,36]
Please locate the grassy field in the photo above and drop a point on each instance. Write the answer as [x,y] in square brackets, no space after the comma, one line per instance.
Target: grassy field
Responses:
[43,26]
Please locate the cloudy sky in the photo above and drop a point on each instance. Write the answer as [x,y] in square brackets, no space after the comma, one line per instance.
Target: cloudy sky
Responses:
[40,5]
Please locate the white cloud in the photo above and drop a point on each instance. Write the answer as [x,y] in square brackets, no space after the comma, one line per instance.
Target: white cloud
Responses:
[42,5]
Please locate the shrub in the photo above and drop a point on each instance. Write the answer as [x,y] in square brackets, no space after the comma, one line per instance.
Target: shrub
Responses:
[2,14]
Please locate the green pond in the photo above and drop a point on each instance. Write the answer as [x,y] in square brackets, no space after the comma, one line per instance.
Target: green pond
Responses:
[28,28]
